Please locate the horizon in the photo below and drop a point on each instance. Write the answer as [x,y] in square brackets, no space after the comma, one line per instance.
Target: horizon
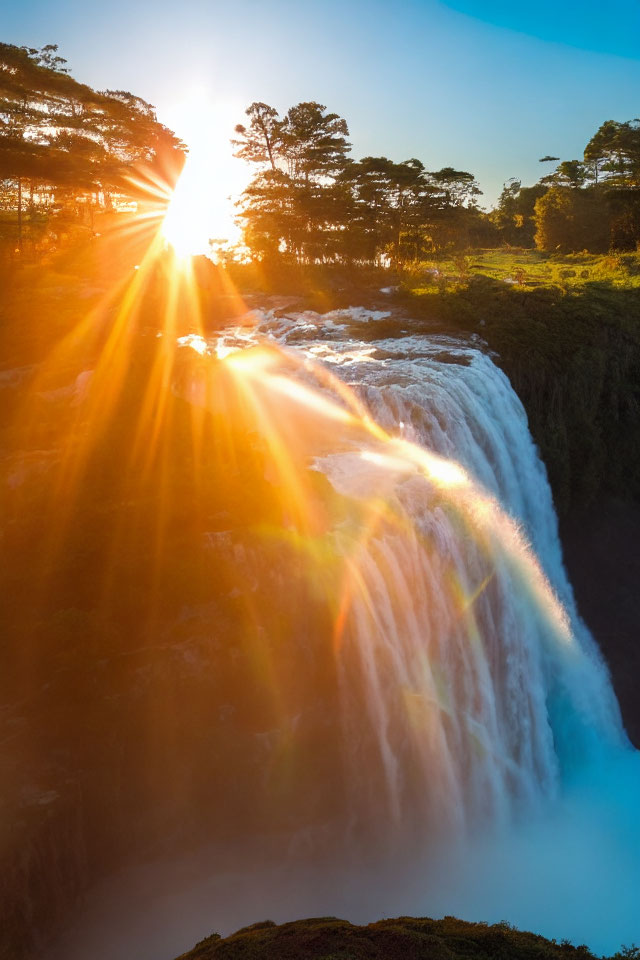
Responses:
[473,117]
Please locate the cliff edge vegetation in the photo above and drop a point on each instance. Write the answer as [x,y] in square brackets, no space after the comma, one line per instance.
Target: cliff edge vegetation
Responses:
[404,938]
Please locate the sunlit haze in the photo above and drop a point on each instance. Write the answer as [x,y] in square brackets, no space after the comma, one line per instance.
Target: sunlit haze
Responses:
[202,207]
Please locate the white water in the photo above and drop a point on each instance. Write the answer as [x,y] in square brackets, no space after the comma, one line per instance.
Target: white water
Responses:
[480,728]
[479,704]
[489,718]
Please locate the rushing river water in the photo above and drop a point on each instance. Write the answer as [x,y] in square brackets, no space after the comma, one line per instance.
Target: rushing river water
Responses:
[479,725]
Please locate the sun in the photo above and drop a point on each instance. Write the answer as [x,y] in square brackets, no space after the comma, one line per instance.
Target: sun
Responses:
[201,208]
[189,222]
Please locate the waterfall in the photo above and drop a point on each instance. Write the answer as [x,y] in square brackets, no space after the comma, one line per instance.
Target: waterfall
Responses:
[470,689]
[485,770]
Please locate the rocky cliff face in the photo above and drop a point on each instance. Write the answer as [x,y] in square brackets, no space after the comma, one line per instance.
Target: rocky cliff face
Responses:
[602,554]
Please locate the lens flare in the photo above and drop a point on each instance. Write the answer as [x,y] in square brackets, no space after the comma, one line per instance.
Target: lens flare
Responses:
[200,214]
[187,226]
[260,477]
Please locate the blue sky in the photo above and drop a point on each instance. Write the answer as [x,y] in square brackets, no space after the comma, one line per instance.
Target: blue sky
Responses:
[483,85]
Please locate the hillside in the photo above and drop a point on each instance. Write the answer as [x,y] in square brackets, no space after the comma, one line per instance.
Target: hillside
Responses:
[404,938]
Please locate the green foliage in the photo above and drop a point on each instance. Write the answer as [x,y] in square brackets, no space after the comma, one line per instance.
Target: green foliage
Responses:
[591,204]
[260,141]
[514,214]
[60,139]
[307,142]
[376,210]
[568,219]
[627,953]
[568,336]
[614,152]
[404,938]
[314,143]
[594,204]
[569,173]
[310,203]
[56,130]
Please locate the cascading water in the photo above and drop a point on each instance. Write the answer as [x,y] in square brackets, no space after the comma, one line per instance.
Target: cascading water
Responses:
[470,687]
[476,714]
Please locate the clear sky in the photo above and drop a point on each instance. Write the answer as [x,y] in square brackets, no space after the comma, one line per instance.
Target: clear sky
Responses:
[483,85]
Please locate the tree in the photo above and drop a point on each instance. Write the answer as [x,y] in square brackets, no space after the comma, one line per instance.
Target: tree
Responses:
[313,203]
[314,143]
[294,207]
[457,187]
[569,173]
[614,151]
[569,220]
[260,141]
[514,215]
[57,133]
[605,208]
[386,198]
[48,57]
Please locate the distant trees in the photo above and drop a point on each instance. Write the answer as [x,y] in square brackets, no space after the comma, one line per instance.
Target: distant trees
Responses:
[514,215]
[569,173]
[310,201]
[307,143]
[58,137]
[614,153]
[590,204]
[569,219]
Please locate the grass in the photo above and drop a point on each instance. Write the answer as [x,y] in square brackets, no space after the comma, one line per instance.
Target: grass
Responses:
[527,269]
[566,330]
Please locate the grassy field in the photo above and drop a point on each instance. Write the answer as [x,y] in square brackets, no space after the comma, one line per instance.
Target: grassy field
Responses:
[527,269]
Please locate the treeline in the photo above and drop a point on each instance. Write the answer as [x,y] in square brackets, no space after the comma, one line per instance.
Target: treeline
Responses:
[311,202]
[591,204]
[63,144]
[67,150]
